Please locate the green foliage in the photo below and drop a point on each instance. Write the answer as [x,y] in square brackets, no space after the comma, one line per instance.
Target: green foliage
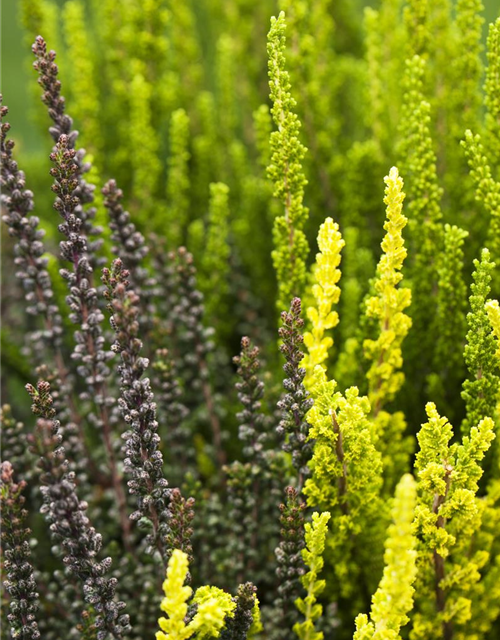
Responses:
[419,166]
[177,214]
[143,141]
[468,64]
[384,34]
[346,480]
[85,98]
[450,321]
[416,16]
[487,190]
[492,92]
[448,515]
[215,265]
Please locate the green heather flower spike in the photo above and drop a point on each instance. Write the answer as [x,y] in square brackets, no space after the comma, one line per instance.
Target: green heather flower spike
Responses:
[186,49]
[393,599]
[312,63]
[418,163]
[447,517]
[285,170]
[144,28]
[385,38]
[226,84]
[467,66]
[146,165]
[83,87]
[326,292]
[388,305]
[492,88]
[346,480]
[374,65]
[418,158]
[254,217]
[140,30]
[445,50]
[487,191]
[296,23]
[485,594]
[450,320]
[480,391]
[178,180]
[262,125]
[311,609]
[215,266]
[452,295]
[357,269]
[212,605]
[416,18]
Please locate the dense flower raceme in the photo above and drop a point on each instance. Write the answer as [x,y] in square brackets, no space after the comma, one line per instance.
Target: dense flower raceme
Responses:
[143,459]
[20,581]
[301,480]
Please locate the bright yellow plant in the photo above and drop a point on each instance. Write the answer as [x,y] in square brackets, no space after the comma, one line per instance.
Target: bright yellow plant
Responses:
[214,605]
[389,302]
[326,293]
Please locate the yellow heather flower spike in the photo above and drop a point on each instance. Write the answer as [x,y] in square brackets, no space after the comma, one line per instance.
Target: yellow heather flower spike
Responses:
[312,554]
[394,597]
[174,604]
[389,303]
[326,293]
[213,605]
[493,311]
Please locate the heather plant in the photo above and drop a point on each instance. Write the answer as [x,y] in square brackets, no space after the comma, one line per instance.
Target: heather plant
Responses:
[238,337]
